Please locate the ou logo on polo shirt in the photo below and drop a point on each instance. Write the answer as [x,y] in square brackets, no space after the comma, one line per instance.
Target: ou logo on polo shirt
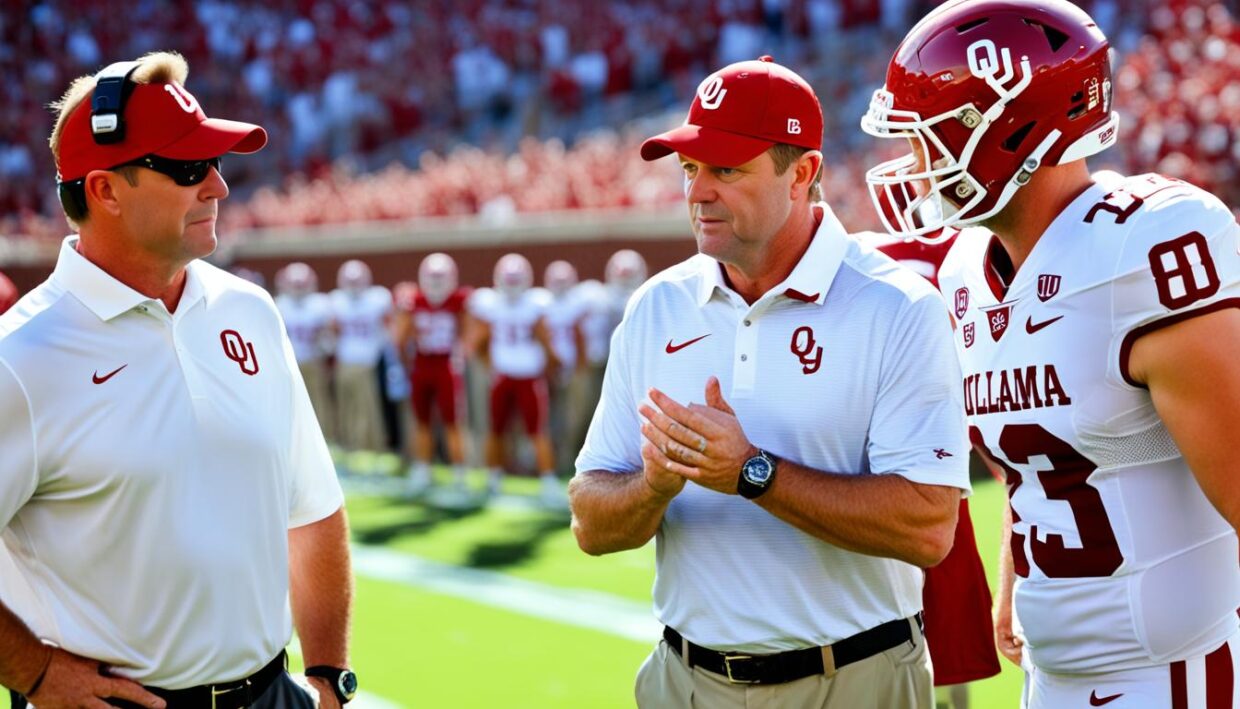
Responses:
[806,348]
[240,351]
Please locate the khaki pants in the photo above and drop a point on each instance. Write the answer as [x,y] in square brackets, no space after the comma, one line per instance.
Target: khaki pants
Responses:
[900,678]
[315,376]
[357,408]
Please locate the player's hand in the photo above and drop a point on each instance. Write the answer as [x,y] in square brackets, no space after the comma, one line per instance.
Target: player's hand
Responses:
[657,469]
[74,682]
[1006,640]
[702,442]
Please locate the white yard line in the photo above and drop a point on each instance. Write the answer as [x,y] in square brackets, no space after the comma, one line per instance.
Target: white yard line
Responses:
[585,609]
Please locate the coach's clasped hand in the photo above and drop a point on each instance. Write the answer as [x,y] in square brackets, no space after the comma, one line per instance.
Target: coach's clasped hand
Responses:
[700,442]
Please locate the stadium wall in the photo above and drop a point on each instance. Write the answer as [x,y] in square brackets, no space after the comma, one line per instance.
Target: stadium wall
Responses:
[393,249]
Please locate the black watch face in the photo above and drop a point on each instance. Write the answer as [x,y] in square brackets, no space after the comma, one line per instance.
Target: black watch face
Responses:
[347,684]
[758,470]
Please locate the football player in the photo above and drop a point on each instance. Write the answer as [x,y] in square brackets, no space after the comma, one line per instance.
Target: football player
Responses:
[1096,329]
[361,311]
[565,312]
[511,331]
[307,318]
[430,318]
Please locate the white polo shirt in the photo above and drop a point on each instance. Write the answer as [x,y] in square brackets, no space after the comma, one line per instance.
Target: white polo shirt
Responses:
[152,466]
[846,367]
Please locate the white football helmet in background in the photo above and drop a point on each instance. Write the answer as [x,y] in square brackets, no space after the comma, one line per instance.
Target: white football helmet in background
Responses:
[513,275]
[437,277]
[559,277]
[626,270]
[353,276]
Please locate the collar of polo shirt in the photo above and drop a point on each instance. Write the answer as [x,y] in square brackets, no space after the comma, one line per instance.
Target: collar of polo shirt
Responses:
[107,297]
[812,275]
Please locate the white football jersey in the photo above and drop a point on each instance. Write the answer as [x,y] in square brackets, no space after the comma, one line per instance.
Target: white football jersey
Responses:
[604,307]
[562,316]
[304,319]
[361,320]
[515,352]
[1121,560]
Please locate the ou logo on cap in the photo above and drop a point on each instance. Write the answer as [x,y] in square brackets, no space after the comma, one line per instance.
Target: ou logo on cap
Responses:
[184,99]
[711,92]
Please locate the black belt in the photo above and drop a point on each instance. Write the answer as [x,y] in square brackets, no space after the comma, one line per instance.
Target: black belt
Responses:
[225,695]
[795,664]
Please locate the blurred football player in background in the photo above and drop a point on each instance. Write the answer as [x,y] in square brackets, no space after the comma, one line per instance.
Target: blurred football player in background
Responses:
[1097,330]
[307,318]
[430,321]
[565,311]
[511,335]
[604,307]
[360,311]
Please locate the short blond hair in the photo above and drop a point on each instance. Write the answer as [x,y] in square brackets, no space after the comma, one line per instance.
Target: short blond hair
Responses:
[783,155]
[156,68]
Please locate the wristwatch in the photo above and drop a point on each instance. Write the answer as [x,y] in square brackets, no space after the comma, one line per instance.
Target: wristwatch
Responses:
[757,474]
[343,681]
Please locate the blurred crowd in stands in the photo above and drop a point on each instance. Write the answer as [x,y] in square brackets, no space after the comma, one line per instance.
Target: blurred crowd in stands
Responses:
[395,110]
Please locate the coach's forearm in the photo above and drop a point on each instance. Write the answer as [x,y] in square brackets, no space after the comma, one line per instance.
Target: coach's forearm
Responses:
[879,515]
[614,511]
[321,589]
[23,657]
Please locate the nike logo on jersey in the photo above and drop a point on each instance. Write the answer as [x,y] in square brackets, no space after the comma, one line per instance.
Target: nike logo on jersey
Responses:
[676,348]
[99,380]
[1096,701]
[1031,328]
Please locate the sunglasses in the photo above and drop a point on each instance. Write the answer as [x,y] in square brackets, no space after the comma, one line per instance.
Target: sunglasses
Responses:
[185,173]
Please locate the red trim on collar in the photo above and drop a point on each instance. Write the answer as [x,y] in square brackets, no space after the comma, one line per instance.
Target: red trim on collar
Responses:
[997,267]
[798,295]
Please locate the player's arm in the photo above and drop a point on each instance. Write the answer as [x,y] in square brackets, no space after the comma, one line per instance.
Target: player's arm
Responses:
[1190,370]
[579,337]
[321,592]
[542,334]
[477,338]
[1005,638]
[402,330]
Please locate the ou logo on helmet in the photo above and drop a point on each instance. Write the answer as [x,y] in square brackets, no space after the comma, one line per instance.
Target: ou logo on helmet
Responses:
[711,92]
[985,61]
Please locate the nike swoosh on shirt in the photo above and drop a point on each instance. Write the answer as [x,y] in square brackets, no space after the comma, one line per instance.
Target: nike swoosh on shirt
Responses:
[1096,701]
[1031,328]
[99,380]
[676,348]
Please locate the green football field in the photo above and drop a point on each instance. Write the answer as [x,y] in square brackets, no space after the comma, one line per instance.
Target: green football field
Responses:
[473,607]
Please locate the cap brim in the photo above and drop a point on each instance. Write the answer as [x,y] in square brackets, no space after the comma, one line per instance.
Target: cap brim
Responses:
[214,137]
[706,145]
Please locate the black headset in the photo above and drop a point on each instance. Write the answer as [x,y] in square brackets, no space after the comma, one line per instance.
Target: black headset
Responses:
[107,126]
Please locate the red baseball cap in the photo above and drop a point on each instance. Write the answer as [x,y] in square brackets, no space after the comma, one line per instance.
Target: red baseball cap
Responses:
[739,112]
[160,119]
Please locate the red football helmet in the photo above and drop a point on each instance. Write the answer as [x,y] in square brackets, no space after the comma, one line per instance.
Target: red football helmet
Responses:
[626,270]
[353,276]
[296,279]
[559,277]
[987,91]
[513,275]
[437,277]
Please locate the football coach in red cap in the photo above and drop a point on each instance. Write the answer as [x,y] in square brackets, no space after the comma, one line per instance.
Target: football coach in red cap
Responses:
[782,412]
[166,495]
